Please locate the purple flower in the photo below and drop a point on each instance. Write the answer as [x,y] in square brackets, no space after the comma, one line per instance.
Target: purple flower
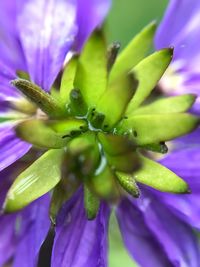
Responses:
[156,232]
[36,37]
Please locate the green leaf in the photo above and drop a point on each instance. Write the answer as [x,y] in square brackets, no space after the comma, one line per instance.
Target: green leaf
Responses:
[173,104]
[37,133]
[134,52]
[149,129]
[128,183]
[35,181]
[39,97]
[148,72]
[91,203]
[159,177]
[67,81]
[91,76]
[115,99]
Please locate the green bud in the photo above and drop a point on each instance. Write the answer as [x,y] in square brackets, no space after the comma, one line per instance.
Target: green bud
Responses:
[77,104]
[36,132]
[39,97]
[128,183]
[91,203]
[112,53]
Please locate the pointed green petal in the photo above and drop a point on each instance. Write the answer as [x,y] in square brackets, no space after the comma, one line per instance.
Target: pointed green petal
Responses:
[23,75]
[77,105]
[91,203]
[134,52]
[43,100]
[148,72]
[37,133]
[85,152]
[35,181]
[127,163]
[128,183]
[59,196]
[174,104]
[67,127]
[114,101]
[91,76]
[112,53]
[155,128]
[159,177]
[116,144]
[157,147]
[103,184]
[67,81]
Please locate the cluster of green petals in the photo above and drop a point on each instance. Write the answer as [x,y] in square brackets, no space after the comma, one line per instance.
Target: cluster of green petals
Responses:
[99,125]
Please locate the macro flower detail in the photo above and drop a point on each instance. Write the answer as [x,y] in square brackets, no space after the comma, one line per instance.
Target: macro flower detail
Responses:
[83,123]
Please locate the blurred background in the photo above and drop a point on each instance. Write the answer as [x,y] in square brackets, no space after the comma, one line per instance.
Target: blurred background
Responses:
[127,18]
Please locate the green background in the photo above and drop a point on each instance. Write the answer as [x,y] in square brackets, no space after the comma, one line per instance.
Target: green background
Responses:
[126,18]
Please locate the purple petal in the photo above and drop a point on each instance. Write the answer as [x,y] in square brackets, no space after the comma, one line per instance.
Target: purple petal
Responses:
[185,163]
[177,238]
[7,237]
[7,91]
[90,15]
[11,147]
[47,30]
[79,242]
[189,141]
[10,51]
[138,238]
[35,224]
[180,28]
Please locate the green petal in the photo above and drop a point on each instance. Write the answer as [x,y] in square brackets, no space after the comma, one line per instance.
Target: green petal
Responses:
[115,145]
[103,184]
[159,147]
[114,101]
[67,127]
[155,128]
[67,81]
[159,177]
[91,77]
[35,181]
[37,133]
[85,153]
[128,183]
[134,52]
[112,53]
[23,75]
[60,195]
[174,104]
[148,72]
[127,163]
[77,106]
[43,100]
[91,203]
